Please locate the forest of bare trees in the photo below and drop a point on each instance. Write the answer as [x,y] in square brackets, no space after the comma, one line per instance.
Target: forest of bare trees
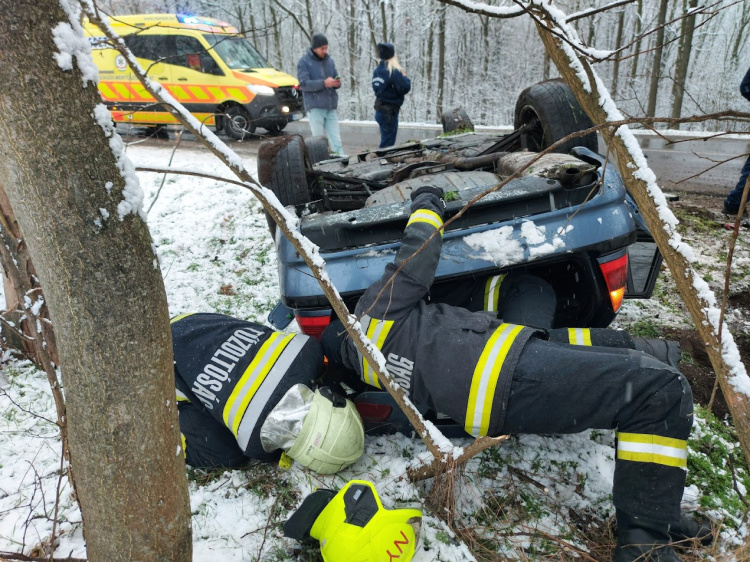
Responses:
[455,58]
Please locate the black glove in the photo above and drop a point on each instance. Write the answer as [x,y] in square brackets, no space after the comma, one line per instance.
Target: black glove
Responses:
[427,189]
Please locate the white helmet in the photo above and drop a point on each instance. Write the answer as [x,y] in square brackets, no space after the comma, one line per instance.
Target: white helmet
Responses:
[332,436]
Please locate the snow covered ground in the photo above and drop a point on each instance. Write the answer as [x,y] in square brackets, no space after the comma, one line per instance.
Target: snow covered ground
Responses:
[526,498]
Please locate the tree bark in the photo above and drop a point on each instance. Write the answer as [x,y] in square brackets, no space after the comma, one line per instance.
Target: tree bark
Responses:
[656,63]
[685,277]
[441,62]
[105,294]
[683,61]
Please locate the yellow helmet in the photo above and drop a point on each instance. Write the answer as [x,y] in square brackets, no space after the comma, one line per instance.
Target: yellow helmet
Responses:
[332,436]
[353,525]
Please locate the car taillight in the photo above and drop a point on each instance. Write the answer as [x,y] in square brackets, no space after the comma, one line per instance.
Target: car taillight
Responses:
[313,326]
[615,275]
[373,413]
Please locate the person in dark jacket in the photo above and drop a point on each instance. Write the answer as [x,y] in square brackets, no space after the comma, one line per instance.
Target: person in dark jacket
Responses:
[498,378]
[244,392]
[319,81]
[390,84]
[733,200]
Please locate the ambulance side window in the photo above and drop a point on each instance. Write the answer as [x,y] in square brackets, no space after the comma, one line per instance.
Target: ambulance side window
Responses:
[150,47]
[191,54]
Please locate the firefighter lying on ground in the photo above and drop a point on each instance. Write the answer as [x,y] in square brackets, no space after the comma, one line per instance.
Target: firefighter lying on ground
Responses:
[244,392]
[499,378]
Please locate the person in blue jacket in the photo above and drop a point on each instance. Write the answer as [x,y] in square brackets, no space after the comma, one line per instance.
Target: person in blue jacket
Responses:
[733,200]
[319,81]
[390,84]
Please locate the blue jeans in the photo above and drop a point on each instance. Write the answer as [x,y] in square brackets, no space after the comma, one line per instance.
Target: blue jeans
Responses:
[325,122]
[388,123]
[735,196]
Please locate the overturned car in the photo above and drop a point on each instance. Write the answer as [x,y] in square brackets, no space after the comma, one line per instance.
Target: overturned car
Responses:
[564,216]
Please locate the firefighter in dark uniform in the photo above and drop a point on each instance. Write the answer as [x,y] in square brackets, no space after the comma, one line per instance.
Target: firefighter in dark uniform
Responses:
[500,378]
[244,392]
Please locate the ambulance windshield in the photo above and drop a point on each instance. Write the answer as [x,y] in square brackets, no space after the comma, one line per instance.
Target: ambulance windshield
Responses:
[236,52]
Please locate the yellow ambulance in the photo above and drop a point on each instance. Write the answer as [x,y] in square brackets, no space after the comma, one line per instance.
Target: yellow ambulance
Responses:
[205,64]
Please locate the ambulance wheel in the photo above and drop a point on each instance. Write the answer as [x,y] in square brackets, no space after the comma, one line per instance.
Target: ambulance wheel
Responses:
[550,112]
[237,123]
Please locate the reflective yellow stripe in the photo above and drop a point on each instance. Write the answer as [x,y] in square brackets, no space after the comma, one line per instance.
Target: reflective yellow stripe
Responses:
[426,216]
[184,445]
[579,336]
[484,381]
[643,447]
[181,396]
[492,292]
[252,378]
[180,317]
[377,331]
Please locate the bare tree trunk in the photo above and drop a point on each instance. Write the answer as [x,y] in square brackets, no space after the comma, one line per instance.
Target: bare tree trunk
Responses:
[441,62]
[656,66]
[683,61]
[384,21]
[429,84]
[685,277]
[637,33]
[618,44]
[105,295]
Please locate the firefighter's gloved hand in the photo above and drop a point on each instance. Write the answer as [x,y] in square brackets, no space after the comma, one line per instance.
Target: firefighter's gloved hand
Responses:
[426,189]
[428,197]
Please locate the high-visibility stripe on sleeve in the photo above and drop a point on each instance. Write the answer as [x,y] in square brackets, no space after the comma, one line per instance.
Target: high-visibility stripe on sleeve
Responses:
[643,447]
[484,381]
[579,336]
[183,443]
[426,216]
[180,317]
[258,382]
[181,396]
[377,331]
[492,292]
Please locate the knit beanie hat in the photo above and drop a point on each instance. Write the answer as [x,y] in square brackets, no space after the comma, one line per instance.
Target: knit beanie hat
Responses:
[318,40]
[386,51]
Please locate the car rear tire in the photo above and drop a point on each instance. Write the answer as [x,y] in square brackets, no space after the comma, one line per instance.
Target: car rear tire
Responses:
[237,123]
[552,113]
[317,149]
[456,120]
[284,171]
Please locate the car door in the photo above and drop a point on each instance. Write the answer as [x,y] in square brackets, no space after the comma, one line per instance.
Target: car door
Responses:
[196,78]
[153,52]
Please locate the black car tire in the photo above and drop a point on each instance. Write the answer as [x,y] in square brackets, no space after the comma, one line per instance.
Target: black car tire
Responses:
[553,113]
[237,123]
[317,149]
[289,172]
[456,120]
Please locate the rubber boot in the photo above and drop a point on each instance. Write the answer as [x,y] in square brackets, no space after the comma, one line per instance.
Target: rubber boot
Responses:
[690,529]
[642,540]
[666,351]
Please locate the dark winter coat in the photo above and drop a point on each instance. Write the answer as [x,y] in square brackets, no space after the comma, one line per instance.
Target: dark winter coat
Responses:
[419,340]
[311,73]
[389,87]
[745,86]
[236,372]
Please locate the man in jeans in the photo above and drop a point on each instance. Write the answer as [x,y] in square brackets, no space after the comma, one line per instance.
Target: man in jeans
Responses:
[319,81]
[733,200]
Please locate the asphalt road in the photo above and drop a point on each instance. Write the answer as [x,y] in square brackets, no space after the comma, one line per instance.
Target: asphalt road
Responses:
[682,162]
